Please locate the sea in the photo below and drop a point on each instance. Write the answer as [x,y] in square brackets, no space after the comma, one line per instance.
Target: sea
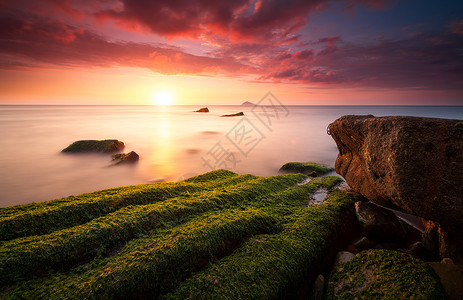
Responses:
[173,143]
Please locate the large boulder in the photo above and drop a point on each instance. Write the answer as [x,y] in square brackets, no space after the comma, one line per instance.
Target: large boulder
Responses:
[104,146]
[203,110]
[409,163]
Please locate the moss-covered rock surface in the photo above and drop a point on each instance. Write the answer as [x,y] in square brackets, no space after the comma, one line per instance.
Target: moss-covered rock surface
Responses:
[384,274]
[310,169]
[216,235]
[103,146]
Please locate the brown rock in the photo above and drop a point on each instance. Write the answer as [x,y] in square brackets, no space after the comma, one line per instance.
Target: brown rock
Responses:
[408,163]
[451,277]
[203,110]
[131,157]
[442,242]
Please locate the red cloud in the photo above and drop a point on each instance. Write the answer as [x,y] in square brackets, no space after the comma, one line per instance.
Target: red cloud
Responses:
[36,42]
[253,37]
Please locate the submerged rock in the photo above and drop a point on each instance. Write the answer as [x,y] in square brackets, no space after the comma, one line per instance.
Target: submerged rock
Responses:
[234,115]
[103,146]
[203,110]
[131,157]
[407,163]
[311,169]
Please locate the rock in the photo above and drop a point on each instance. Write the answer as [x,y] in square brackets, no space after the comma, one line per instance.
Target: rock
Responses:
[247,103]
[131,157]
[451,277]
[415,164]
[318,288]
[342,257]
[352,248]
[441,242]
[311,169]
[418,250]
[203,110]
[410,164]
[234,115]
[379,224]
[384,274]
[104,146]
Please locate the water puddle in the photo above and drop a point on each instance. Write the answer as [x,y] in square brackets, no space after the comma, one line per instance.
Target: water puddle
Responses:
[318,197]
[305,181]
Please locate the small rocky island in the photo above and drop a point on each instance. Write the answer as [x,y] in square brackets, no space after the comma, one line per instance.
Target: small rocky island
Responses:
[239,114]
[202,110]
[102,146]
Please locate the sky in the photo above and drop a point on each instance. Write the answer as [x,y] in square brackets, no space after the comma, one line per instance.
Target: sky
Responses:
[204,52]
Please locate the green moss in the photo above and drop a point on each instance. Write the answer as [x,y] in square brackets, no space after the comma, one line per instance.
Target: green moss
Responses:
[268,265]
[23,257]
[227,235]
[311,169]
[104,146]
[46,217]
[384,274]
[154,264]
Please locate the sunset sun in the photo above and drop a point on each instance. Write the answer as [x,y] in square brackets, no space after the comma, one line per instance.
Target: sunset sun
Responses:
[163,98]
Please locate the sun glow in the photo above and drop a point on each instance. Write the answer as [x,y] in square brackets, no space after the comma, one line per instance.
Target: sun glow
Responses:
[163,98]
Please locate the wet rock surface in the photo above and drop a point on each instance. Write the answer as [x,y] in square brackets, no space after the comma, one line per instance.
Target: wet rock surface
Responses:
[203,110]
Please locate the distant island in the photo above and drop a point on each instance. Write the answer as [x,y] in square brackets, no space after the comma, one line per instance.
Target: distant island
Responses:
[247,103]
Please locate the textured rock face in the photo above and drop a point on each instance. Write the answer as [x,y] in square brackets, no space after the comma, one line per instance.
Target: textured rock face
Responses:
[408,163]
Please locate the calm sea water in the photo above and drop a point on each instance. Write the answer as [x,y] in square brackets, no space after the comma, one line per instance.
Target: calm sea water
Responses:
[173,143]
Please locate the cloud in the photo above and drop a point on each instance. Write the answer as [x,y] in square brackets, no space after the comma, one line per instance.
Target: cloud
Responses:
[415,62]
[39,42]
[260,38]
[237,21]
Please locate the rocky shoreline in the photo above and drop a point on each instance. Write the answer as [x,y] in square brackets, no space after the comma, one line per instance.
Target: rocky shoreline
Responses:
[221,234]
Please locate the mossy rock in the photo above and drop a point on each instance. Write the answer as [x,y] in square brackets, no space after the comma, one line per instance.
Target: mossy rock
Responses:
[257,233]
[384,274]
[103,146]
[311,169]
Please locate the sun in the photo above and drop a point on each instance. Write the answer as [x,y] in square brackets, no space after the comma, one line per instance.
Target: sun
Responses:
[163,98]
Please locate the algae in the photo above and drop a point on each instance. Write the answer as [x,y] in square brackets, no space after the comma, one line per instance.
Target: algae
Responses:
[258,232]
[384,274]
[311,169]
[103,146]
